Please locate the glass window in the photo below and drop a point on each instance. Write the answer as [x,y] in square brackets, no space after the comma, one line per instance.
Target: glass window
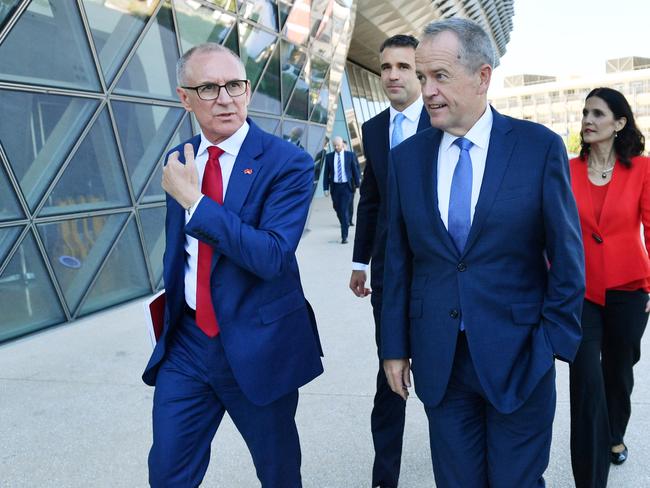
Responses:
[123,276]
[199,23]
[145,132]
[322,42]
[295,133]
[299,104]
[37,132]
[263,12]
[151,72]
[292,62]
[7,8]
[256,47]
[266,123]
[268,98]
[285,7]
[8,236]
[94,178]
[76,248]
[321,104]
[115,26]
[297,25]
[152,221]
[29,55]
[318,99]
[316,139]
[27,298]
[9,205]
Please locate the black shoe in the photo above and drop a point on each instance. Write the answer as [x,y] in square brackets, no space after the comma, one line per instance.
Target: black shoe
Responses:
[351,224]
[344,241]
[619,458]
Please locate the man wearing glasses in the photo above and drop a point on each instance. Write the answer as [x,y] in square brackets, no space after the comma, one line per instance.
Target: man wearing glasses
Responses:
[239,336]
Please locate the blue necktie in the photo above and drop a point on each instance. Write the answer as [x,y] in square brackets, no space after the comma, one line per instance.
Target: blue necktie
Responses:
[397,135]
[339,172]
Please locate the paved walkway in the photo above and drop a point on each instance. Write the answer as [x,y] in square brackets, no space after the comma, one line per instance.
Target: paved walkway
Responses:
[74,412]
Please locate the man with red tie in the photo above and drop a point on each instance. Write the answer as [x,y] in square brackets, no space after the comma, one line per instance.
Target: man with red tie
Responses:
[239,336]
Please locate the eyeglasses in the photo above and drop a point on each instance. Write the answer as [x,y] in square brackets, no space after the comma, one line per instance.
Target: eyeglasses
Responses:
[210,91]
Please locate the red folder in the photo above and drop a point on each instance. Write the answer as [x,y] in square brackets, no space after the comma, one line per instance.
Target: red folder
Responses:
[154,312]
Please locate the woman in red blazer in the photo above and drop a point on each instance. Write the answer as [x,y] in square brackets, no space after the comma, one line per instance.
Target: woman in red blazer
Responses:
[611,184]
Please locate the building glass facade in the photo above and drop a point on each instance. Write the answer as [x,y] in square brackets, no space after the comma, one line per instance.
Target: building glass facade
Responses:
[89,109]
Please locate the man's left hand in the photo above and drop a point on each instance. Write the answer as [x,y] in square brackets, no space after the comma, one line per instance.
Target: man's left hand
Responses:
[398,374]
[180,180]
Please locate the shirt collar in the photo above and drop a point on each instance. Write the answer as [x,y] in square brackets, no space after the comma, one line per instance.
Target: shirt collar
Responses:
[479,134]
[232,145]
[412,112]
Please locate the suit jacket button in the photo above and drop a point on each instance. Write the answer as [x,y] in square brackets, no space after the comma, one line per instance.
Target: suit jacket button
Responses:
[597,238]
[454,314]
[461,267]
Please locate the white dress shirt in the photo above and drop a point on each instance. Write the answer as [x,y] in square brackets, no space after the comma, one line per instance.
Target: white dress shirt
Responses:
[409,127]
[231,147]
[344,177]
[448,153]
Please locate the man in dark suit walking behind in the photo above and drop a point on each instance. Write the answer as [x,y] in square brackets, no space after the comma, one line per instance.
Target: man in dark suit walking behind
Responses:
[478,206]
[341,176]
[405,116]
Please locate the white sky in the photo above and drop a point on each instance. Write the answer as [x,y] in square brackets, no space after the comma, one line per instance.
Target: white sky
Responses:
[573,37]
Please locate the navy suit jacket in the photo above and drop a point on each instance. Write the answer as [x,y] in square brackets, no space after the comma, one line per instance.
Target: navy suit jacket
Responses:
[266,325]
[351,170]
[518,313]
[370,236]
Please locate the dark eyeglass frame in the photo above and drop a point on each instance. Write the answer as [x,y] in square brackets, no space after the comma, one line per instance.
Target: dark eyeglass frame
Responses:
[198,88]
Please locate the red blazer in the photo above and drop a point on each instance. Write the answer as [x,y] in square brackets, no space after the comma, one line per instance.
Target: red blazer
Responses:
[614,252]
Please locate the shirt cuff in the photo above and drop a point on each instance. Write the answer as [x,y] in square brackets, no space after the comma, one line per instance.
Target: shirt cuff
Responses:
[359,267]
[190,211]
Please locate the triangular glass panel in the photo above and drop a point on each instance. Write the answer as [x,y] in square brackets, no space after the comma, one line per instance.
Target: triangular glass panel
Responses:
[123,276]
[115,30]
[292,62]
[144,131]
[256,47]
[27,297]
[263,12]
[266,123]
[199,23]
[285,7]
[152,221]
[154,191]
[28,55]
[316,138]
[76,249]
[267,98]
[320,10]
[94,178]
[151,72]
[7,9]
[232,42]
[229,5]
[37,132]
[9,206]
[319,95]
[8,236]
[295,133]
[299,104]
[298,23]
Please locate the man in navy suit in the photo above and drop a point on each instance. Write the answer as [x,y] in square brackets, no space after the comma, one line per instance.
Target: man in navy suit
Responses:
[405,116]
[239,336]
[341,176]
[478,206]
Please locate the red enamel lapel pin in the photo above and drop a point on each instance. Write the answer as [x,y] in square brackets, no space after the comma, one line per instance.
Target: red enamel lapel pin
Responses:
[248,171]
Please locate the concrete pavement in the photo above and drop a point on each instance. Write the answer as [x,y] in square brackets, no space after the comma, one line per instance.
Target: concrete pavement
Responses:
[74,412]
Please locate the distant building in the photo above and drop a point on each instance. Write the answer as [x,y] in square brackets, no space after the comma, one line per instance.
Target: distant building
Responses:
[557,103]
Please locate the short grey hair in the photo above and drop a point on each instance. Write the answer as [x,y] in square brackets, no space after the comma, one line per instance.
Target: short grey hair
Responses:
[476,48]
[206,47]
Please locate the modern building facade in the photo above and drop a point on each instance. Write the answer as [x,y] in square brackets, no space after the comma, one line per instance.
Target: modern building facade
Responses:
[87,93]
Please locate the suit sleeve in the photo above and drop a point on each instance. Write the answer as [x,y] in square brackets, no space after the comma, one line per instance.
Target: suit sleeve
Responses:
[565,288]
[395,343]
[326,174]
[367,210]
[356,170]
[267,249]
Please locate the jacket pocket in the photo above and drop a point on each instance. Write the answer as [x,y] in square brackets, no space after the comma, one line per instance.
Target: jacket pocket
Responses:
[526,313]
[281,307]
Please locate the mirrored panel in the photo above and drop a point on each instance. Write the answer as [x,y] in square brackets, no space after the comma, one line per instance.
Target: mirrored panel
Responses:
[151,72]
[263,12]
[152,221]
[199,23]
[37,132]
[285,7]
[319,91]
[299,104]
[27,297]
[94,178]
[115,26]
[266,123]
[144,131]
[267,98]
[298,23]
[9,206]
[295,133]
[29,55]
[123,277]
[8,236]
[316,139]
[256,46]
[7,9]
[292,61]
[76,248]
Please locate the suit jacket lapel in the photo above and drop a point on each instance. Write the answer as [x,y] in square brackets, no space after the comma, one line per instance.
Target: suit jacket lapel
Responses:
[425,121]
[498,157]
[245,170]
[582,193]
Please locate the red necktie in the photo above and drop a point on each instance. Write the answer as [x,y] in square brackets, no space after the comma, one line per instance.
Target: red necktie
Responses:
[212,187]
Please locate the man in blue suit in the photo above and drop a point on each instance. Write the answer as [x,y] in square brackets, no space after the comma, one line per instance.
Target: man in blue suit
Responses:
[484,272]
[405,116]
[341,176]
[239,336]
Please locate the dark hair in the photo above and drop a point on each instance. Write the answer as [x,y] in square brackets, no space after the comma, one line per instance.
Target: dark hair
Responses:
[399,40]
[629,141]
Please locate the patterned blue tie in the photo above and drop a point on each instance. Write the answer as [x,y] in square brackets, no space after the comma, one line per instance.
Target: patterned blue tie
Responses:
[339,172]
[398,135]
